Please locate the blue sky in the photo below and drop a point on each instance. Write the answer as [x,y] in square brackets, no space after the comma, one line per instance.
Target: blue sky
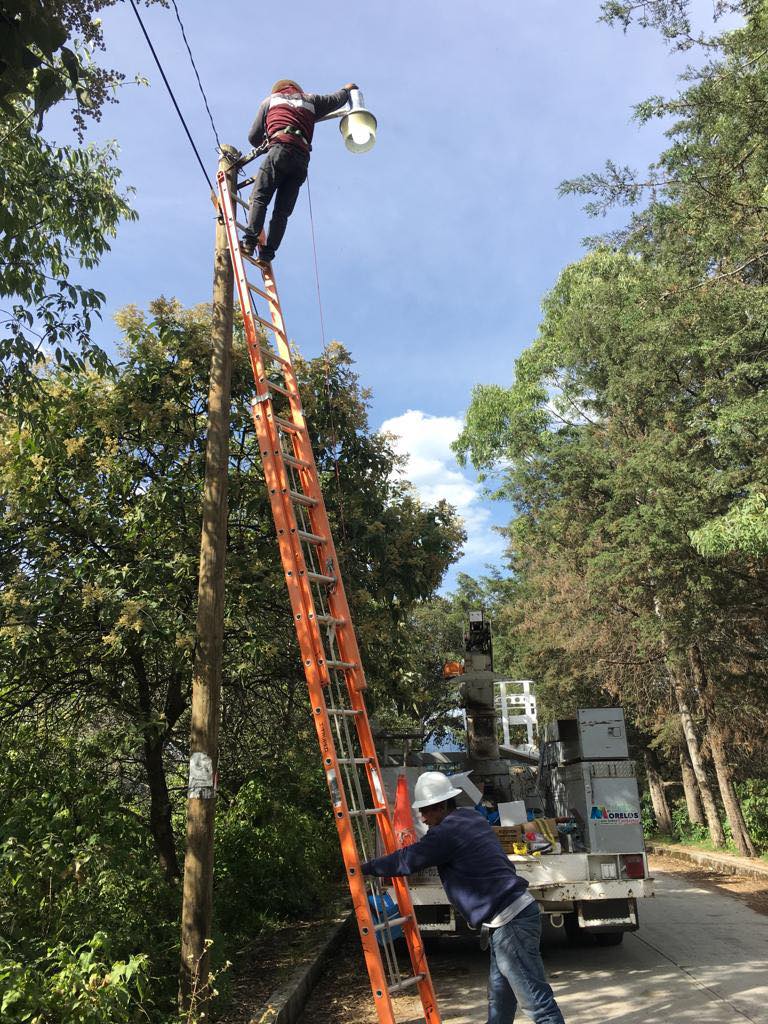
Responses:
[436,247]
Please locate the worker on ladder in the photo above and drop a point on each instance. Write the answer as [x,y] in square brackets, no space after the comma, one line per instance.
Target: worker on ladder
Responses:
[284,125]
[484,887]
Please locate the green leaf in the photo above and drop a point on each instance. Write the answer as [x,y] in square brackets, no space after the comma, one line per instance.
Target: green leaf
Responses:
[71,63]
[50,87]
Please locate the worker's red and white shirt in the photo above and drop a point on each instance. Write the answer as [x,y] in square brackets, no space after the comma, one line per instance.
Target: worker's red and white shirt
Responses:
[294,110]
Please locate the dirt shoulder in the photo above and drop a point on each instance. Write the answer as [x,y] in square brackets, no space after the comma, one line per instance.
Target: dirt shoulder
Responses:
[270,960]
[752,891]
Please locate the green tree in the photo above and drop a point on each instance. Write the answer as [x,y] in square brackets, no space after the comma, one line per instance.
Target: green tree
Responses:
[610,435]
[635,430]
[38,68]
[701,208]
[59,204]
[99,547]
[671,17]
[44,229]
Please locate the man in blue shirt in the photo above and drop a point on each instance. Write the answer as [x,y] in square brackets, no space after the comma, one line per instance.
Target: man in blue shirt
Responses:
[484,887]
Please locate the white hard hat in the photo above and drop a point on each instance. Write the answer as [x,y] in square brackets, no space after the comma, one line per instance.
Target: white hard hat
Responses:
[432,788]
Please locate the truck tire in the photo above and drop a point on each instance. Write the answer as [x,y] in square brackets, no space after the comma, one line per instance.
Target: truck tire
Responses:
[573,930]
[609,938]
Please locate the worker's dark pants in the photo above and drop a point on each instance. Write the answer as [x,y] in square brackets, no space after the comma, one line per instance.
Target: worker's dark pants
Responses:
[283,171]
[517,973]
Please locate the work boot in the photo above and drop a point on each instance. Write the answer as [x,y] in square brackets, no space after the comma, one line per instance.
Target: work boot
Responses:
[265,255]
[246,247]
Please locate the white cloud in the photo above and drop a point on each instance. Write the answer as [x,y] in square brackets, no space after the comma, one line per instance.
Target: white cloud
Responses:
[432,469]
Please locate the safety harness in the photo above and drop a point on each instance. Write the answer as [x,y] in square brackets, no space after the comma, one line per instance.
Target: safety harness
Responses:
[290,130]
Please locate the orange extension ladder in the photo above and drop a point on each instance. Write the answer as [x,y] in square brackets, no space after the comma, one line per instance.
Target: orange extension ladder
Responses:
[329,651]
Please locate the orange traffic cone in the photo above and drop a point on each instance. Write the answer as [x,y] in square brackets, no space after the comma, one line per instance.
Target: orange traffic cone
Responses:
[405,833]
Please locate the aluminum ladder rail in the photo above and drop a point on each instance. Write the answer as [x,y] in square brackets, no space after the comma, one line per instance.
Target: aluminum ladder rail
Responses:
[326,636]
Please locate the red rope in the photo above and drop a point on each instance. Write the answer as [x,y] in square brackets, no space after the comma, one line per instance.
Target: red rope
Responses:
[334,435]
[317,272]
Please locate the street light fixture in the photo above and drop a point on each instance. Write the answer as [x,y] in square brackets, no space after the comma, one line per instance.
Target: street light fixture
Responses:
[358,125]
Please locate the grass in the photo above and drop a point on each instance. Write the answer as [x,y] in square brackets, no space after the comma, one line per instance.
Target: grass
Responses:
[705,845]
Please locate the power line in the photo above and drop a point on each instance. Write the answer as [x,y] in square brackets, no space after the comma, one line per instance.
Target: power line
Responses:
[173,98]
[197,75]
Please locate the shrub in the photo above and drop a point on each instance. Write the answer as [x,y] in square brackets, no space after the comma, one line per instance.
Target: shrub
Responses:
[647,816]
[683,828]
[273,860]
[753,794]
[88,922]
[73,985]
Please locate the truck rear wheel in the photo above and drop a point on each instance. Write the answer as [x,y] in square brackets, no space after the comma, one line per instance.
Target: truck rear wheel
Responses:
[609,938]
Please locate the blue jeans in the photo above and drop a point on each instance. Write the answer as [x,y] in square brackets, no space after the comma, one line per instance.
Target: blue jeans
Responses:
[517,973]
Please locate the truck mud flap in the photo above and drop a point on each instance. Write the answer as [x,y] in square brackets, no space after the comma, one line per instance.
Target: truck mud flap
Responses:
[607,915]
[436,918]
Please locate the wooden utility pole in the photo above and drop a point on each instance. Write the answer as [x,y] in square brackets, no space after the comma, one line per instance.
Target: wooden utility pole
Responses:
[197,903]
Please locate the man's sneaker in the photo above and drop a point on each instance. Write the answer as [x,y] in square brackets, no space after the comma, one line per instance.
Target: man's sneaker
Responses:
[265,255]
[246,248]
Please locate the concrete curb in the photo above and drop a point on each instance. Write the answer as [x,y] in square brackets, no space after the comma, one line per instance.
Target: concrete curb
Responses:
[287,1002]
[722,862]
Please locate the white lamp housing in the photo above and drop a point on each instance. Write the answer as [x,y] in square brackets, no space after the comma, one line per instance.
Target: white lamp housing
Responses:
[358,126]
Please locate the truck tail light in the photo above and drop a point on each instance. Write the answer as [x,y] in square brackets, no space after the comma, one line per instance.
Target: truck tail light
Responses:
[633,865]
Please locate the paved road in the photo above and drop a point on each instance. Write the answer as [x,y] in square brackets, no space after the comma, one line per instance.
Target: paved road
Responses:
[699,957]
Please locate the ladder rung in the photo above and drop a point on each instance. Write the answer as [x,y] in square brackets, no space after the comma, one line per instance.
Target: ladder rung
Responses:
[408,983]
[318,577]
[272,355]
[299,464]
[367,812]
[341,664]
[242,202]
[391,922]
[287,425]
[344,712]
[243,227]
[250,259]
[310,538]
[303,499]
[258,291]
[274,386]
[355,760]
[268,325]
[329,620]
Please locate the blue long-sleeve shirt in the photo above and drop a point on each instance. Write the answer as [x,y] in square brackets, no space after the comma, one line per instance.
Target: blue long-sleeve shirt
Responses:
[477,876]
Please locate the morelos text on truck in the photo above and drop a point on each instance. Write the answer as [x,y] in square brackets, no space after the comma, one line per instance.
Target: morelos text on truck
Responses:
[572,805]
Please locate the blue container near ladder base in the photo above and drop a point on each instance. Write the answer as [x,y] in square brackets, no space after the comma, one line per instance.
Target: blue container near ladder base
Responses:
[384,907]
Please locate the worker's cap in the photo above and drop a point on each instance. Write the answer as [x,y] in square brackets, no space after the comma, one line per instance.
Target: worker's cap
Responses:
[286,83]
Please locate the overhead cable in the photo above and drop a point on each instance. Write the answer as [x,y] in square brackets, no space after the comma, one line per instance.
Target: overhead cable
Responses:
[197,75]
[170,93]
